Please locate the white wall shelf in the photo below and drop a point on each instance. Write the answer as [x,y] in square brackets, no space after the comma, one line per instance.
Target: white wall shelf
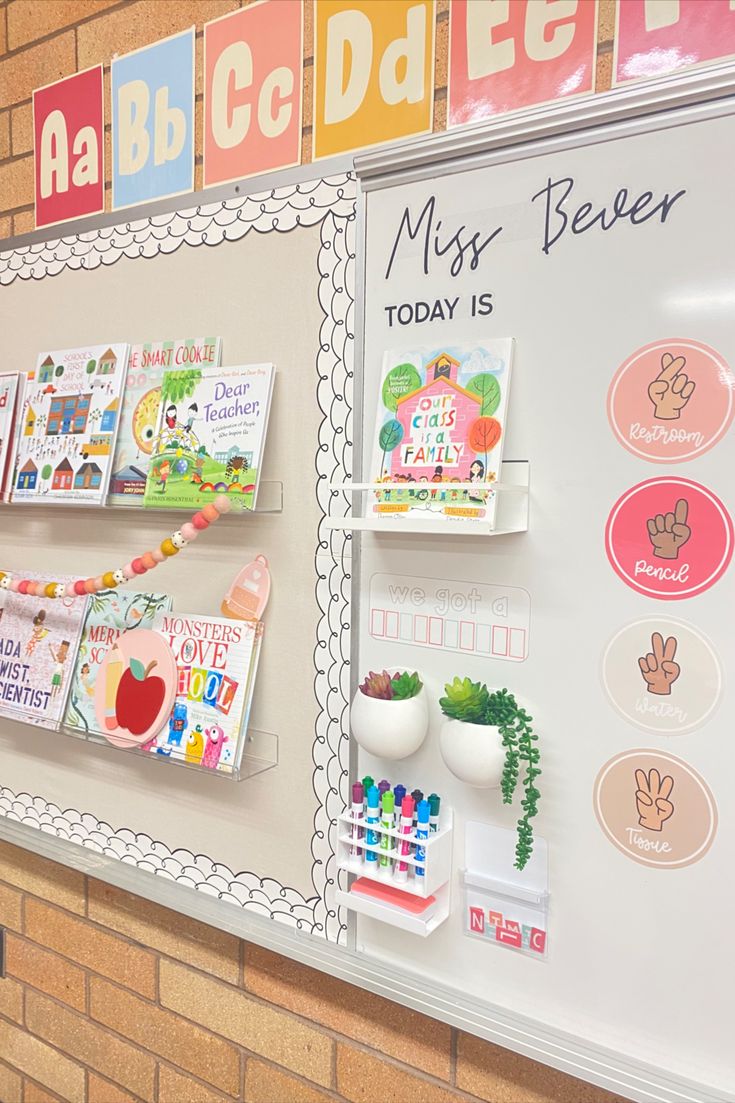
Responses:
[511,511]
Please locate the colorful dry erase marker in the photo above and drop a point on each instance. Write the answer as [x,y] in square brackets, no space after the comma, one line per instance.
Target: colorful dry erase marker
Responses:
[418,796]
[358,798]
[399,792]
[373,817]
[367,784]
[383,786]
[422,832]
[386,841]
[434,805]
[401,874]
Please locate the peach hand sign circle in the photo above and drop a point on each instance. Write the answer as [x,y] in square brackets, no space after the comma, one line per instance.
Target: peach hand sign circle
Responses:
[671,389]
[669,538]
[671,400]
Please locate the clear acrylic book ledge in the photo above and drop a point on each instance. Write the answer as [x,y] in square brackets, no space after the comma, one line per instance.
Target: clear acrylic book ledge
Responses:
[270,500]
[259,752]
[511,509]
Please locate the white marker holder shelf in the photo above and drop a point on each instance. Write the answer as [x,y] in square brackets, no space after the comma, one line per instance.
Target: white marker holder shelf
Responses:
[435,882]
[511,508]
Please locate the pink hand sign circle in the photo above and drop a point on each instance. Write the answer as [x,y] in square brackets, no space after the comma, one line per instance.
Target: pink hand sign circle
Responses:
[669,538]
[671,400]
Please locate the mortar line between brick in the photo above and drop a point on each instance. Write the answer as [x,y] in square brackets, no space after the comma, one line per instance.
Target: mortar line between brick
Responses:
[45,1042]
[419,1074]
[331,1093]
[453,1045]
[43,1087]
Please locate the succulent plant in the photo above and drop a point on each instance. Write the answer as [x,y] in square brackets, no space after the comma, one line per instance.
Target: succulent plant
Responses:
[391,687]
[471,702]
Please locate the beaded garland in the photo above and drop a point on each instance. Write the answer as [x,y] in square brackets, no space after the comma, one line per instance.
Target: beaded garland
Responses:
[172,545]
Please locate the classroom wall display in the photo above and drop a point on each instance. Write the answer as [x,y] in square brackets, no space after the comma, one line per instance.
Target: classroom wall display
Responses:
[68,138]
[140,405]
[671,400]
[669,538]
[153,121]
[253,77]
[505,56]
[655,808]
[659,36]
[663,675]
[68,419]
[468,617]
[373,72]
[9,383]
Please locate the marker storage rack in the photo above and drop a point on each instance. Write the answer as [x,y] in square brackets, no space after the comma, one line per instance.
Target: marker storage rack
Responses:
[435,882]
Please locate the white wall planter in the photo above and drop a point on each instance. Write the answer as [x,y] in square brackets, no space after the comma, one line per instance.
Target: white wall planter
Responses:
[390,729]
[473,752]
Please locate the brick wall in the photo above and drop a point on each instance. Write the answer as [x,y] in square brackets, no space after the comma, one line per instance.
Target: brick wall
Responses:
[111,999]
[44,40]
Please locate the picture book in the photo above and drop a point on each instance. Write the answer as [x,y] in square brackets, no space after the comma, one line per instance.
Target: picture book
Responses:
[441,421]
[67,425]
[8,393]
[216,660]
[110,613]
[39,640]
[140,402]
[210,436]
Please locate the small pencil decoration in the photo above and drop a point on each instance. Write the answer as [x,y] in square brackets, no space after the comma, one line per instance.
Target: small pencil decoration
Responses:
[169,547]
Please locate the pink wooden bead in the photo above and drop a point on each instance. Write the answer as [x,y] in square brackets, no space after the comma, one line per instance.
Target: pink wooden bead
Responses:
[37,589]
[23,586]
[210,513]
[79,587]
[128,571]
[99,583]
[148,561]
[89,585]
[15,585]
[137,565]
[188,531]
[200,521]
[69,590]
[158,555]
[222,504]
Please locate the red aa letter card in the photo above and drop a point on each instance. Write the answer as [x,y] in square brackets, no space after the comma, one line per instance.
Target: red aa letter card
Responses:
[68,148]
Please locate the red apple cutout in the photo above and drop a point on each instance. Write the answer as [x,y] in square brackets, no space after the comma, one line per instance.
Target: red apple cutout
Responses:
[135,688]
[139,697]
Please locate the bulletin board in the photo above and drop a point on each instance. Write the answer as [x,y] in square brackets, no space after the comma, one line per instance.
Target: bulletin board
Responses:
[632,949]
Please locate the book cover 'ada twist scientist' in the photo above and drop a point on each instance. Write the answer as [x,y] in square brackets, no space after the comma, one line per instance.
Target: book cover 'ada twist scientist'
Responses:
[210,436]
[39,639]
[441,421]
[68,422]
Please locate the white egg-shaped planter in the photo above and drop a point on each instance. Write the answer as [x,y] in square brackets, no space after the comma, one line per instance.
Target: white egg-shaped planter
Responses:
[473,752]
[390,729]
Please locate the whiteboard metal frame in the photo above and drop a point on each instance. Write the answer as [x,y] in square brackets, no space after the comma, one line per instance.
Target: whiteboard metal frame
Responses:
[669,101]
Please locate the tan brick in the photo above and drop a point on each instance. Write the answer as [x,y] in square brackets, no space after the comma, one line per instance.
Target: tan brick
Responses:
[11,914]
[4,131]
[33,1093]
[137,25]
[386,1026]
[265,1084]
[10,1081]
[3,36]
[308,105]
[102,1091]
[8,1076]
[364,1077]
[493,1073]
[23,222]
[442,54]
[259,1028]
[6,230]
[173,1087]
[166,931]
[603,75]
[21,129]
[16,190]
[90,1044]
[11,1000]
[21,868]
[180,1042]
[104,953]
[29,20]
[606,21]
[308,17]
[52,974]
[38,65]
[44,1064]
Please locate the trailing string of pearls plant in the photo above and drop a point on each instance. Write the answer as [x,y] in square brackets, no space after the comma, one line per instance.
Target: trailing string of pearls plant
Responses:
[172,545]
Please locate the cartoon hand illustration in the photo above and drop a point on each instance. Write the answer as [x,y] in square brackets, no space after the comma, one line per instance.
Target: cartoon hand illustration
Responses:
[652,799]
[671,389]
[658,666]
[669,532]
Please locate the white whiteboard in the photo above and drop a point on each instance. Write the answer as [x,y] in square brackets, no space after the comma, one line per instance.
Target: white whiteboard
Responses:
[639,959]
